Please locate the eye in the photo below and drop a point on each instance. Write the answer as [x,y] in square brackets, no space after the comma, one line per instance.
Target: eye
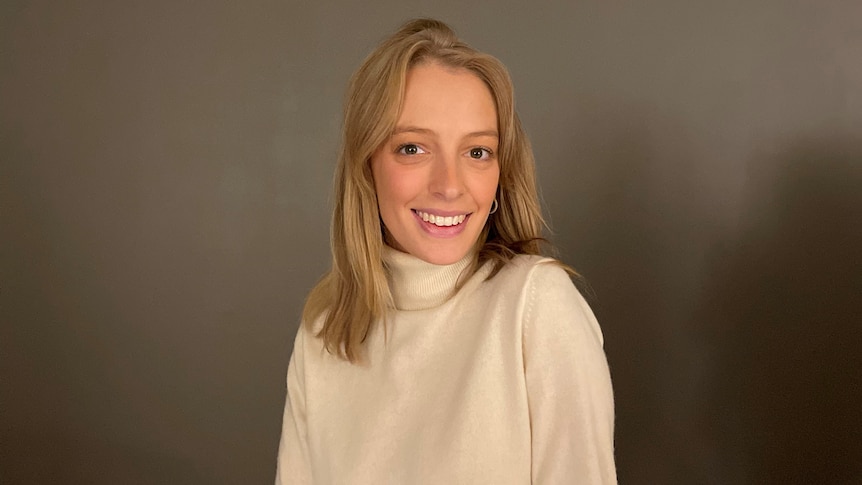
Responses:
[409,149]
[480,153]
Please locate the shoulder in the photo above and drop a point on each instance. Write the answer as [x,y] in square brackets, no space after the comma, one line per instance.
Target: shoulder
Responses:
[307,335]
[535,273]
[537,280]
[548,295]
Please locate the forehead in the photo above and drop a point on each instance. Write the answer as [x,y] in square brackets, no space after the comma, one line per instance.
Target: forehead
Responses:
[441,95]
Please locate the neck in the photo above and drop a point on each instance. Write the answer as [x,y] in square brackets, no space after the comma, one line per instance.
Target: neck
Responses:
[419,285]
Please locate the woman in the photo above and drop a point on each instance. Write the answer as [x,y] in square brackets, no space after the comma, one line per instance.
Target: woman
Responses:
[441,348]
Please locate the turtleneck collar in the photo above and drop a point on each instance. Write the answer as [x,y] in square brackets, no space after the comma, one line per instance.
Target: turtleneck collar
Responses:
[418,285]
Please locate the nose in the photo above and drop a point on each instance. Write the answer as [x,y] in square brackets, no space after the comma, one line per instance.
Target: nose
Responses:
[446,181]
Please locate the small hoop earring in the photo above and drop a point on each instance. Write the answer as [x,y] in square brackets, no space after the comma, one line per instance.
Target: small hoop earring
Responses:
[494,207]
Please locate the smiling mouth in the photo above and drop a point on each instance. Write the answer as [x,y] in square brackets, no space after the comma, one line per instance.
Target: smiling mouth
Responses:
[441,221]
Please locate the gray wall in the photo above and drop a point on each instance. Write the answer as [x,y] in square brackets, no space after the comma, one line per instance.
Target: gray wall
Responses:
[164,198]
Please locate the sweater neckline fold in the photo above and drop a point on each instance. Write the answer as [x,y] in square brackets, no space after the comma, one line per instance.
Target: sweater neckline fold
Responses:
[419,285]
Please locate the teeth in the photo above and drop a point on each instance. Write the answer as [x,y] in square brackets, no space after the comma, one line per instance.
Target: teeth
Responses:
[441,220]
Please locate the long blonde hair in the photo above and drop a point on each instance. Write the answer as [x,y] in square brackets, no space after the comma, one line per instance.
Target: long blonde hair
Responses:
[355,293]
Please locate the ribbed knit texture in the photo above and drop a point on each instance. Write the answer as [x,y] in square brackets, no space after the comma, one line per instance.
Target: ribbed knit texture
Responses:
[417,285]
[503,382]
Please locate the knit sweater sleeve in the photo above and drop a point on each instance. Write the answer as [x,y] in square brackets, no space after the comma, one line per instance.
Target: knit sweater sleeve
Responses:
[293,459]
[568,383]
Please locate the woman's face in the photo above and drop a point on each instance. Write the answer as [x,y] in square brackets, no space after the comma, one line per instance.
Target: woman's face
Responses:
[436,176]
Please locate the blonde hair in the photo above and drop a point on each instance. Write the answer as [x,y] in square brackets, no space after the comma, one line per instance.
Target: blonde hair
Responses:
[355,292]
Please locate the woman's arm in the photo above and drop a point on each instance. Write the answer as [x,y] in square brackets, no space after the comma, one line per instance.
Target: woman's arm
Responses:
[568,384]
[293,464]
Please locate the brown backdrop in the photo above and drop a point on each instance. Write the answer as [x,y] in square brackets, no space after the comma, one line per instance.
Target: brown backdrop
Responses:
[164,198]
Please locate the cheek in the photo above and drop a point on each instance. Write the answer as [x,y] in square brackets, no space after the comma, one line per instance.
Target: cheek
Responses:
[393,189]
[486,186]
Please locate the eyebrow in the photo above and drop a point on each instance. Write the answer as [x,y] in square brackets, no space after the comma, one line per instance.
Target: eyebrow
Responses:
[426,131]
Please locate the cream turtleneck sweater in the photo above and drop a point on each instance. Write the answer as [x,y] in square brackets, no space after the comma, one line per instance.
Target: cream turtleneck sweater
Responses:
[503,382]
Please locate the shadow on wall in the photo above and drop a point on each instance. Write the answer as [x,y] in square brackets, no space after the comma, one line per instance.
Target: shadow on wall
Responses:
[631,204]
[735,354]
[782,319]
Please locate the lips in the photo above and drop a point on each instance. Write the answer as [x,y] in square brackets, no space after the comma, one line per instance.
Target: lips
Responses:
[441,225]
[440,220]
